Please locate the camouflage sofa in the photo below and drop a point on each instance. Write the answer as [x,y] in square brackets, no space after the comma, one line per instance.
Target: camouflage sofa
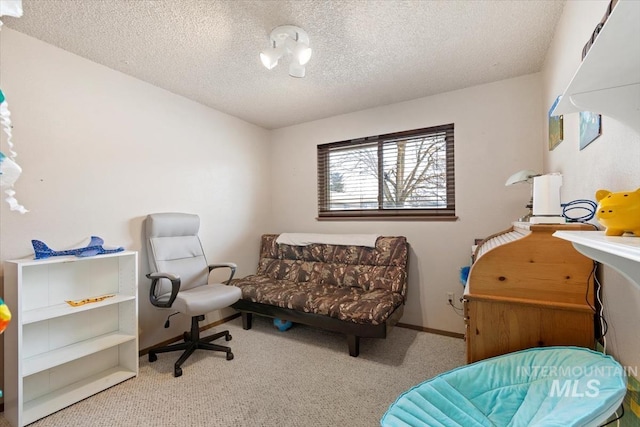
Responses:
[355,290]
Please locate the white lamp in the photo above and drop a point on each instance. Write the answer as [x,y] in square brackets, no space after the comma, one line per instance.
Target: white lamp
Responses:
[288,40]
[527,176]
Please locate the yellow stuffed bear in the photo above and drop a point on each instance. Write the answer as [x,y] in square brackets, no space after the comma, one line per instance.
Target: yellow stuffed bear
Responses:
[619,212]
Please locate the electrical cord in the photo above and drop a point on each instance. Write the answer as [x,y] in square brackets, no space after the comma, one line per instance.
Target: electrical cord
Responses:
[604,326]
[615,419]
[586,210]
[604,329]
[604,350]
[459,311]
[592,273]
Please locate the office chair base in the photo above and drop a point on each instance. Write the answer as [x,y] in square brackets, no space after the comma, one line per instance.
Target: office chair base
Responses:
[192,342]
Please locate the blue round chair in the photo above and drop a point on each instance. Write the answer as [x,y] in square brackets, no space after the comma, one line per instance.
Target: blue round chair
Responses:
[547,386]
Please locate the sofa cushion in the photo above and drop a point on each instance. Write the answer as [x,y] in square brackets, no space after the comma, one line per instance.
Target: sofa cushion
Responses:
[382,267]
[350,303]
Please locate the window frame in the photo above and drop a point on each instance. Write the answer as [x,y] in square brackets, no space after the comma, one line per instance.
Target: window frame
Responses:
[447,213]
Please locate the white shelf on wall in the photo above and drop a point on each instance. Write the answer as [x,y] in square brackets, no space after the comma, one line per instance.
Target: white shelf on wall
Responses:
[620,252]
[608,79]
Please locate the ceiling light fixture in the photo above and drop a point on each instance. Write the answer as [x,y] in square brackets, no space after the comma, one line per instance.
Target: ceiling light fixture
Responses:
[288,40]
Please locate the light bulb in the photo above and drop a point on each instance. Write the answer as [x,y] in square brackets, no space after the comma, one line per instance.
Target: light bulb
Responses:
[269,58]
[304,55]
[302,52]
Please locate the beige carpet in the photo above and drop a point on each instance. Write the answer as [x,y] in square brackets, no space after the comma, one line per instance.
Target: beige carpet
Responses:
[302,377]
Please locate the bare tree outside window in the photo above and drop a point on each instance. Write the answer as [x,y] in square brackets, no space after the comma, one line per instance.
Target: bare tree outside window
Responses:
[403,174]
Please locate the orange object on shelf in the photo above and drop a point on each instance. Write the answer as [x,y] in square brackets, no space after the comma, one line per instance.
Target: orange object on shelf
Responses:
[79,302]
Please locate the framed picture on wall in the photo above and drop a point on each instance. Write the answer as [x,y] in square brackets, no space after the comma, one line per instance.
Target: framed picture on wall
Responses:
[590,128]
[556,132]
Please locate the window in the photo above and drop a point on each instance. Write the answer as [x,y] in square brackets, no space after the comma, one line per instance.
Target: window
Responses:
[405,174]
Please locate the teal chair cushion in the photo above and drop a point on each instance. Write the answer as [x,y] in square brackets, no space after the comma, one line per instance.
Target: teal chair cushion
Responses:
[548,386]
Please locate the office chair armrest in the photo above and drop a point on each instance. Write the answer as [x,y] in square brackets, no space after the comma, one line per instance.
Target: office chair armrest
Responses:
[229,265]
[175,287]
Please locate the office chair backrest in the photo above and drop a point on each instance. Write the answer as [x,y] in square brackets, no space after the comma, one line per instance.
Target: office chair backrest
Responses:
[174,247]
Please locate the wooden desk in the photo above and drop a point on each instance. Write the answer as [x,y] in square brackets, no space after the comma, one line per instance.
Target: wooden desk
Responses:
[527,289]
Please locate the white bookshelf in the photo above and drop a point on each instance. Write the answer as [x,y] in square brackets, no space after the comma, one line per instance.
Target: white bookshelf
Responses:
[57,354]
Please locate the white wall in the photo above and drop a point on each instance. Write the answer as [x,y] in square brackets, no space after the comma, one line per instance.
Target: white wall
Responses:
[610,162]
[497,132]
[100,150]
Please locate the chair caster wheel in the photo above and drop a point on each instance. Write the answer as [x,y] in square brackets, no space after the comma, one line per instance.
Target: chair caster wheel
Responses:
[228,337]
[229,356]
[186,337]
[152,357]
[177,372]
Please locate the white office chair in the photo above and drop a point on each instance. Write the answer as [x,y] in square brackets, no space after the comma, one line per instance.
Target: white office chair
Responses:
[179,275]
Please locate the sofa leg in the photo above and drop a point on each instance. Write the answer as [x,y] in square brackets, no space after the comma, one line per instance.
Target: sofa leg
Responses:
[246,320]
[354,345]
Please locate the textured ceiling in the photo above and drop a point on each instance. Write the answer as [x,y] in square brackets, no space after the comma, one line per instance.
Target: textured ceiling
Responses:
[365,53]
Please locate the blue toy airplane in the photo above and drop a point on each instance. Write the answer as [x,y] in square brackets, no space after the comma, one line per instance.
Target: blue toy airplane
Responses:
[94,248]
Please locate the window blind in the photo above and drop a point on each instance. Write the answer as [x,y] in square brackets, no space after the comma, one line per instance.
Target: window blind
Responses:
[403,174]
